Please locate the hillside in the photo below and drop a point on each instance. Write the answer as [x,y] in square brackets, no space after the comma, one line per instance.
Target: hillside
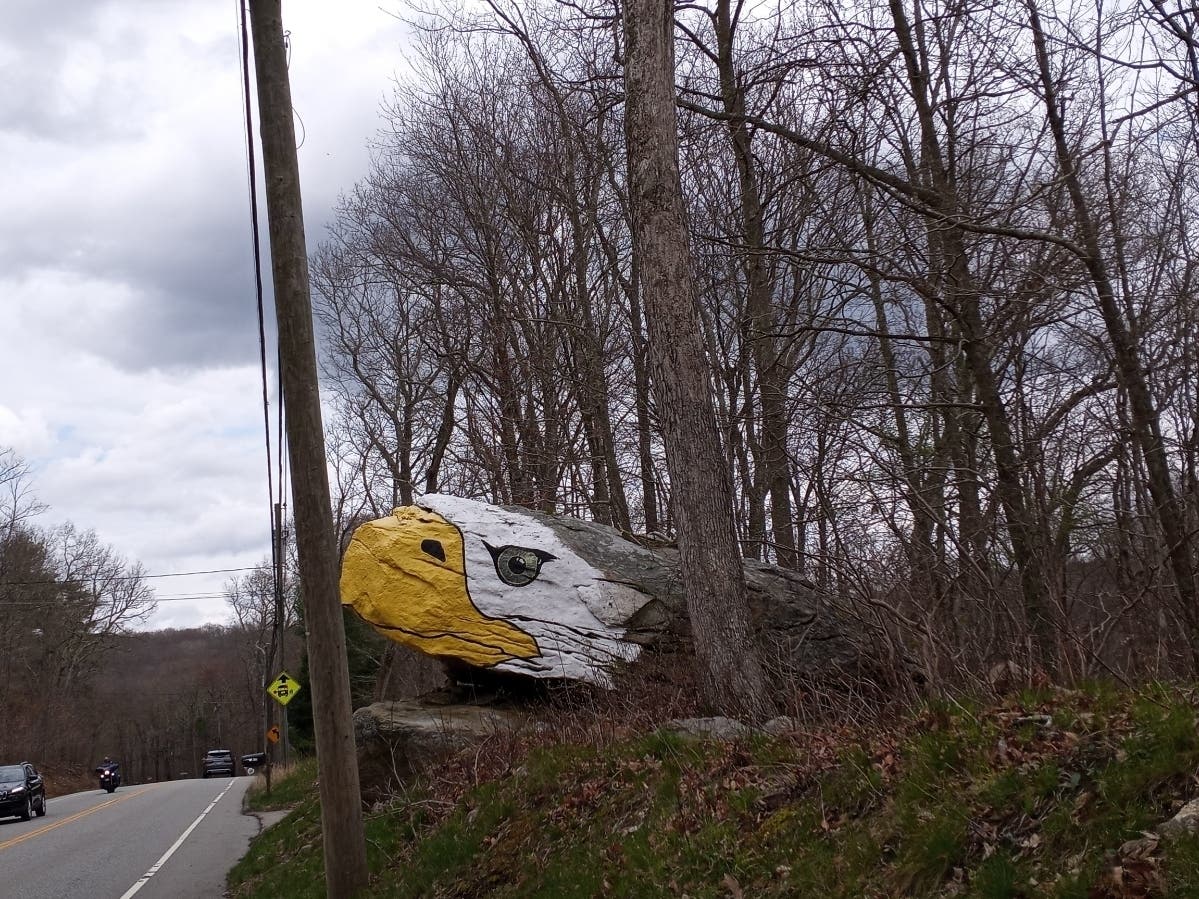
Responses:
[1049,794]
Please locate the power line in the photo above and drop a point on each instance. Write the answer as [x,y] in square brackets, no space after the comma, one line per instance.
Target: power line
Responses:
[130,577]
[4,604]
[274,507]
[189,597]
[210,571]
[252,167]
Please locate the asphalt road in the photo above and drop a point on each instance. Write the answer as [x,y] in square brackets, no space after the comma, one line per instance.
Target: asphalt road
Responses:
[173,840]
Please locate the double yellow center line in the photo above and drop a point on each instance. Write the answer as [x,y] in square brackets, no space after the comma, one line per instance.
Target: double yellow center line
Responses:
[75,817]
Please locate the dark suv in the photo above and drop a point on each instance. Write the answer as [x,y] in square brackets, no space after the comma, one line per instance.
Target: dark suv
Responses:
[218,761]
[22,792]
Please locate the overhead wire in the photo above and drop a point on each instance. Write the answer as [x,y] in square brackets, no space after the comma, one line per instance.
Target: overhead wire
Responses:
[182,597]
[276,560]
[133,577]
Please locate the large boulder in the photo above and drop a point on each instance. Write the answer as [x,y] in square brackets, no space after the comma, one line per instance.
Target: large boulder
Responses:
[542,596]
[398,739]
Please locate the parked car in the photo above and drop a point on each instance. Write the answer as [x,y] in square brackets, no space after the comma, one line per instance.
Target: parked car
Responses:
[22,792]
[218,762]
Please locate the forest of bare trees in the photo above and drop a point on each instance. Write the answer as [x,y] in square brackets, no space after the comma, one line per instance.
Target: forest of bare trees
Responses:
[946,277]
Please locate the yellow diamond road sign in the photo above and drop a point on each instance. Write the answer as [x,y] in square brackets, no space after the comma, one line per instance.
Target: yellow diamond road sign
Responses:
[283,688]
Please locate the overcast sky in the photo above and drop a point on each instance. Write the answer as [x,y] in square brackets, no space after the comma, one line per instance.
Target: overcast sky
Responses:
[129,376]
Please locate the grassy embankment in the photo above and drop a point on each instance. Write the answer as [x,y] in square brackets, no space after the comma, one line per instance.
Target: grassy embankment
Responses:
[1046,795]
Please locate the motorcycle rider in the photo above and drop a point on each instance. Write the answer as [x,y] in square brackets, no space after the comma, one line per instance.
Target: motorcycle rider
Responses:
[109,764]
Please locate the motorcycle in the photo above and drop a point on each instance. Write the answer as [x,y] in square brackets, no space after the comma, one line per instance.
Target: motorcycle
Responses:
[110,778]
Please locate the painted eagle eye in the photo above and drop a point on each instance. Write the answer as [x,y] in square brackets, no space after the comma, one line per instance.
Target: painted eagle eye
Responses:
[517,566]
[434,549]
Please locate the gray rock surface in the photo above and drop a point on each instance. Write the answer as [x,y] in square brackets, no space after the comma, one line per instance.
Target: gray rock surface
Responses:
[397,739]
[801,634]
[1183,823]
[715,728]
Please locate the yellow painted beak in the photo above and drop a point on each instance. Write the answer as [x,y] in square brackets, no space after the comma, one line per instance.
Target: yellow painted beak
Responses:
[406,576]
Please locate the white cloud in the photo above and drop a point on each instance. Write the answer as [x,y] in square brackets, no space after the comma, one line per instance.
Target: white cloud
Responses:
[129,374]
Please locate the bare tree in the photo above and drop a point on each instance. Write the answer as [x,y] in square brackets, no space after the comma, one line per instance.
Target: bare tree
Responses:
[728,667]
[17,502]
[1145,420]
[103,595]
[897,321]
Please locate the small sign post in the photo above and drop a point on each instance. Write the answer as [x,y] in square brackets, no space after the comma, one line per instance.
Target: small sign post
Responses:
[283,688]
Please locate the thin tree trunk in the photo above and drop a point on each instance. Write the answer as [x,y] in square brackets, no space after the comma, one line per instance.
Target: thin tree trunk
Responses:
[641,384]
[445,431]
[729,672]
[772,379]
[917,482]
[1145,419]
[962,297]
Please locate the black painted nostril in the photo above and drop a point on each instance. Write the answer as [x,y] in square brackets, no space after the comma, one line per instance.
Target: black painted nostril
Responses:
[433,548]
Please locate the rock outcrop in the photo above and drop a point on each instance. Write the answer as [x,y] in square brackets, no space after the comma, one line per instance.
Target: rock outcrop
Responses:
[400,738]
[524,593]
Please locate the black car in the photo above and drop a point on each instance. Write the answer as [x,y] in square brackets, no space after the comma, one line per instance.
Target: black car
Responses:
[217,762]
[22,792]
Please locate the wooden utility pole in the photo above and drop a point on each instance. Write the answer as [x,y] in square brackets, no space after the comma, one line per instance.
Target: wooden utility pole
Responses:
[341,803]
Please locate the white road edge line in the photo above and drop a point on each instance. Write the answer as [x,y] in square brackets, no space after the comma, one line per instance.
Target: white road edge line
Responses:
[179,842]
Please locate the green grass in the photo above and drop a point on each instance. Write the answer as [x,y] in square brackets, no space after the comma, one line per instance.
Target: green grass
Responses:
[956,801]
[289,787]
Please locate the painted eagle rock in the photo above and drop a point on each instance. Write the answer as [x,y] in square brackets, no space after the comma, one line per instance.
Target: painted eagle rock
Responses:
[492,587]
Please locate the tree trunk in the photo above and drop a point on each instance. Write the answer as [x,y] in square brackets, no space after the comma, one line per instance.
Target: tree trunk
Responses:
[728,669]
[1145,420]
[760,324]
[962,298]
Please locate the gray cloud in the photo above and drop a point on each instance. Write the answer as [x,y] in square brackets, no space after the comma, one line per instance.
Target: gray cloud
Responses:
[130,363]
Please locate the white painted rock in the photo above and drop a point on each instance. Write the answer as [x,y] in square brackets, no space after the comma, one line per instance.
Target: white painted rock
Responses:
[544,596]
[490,587]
